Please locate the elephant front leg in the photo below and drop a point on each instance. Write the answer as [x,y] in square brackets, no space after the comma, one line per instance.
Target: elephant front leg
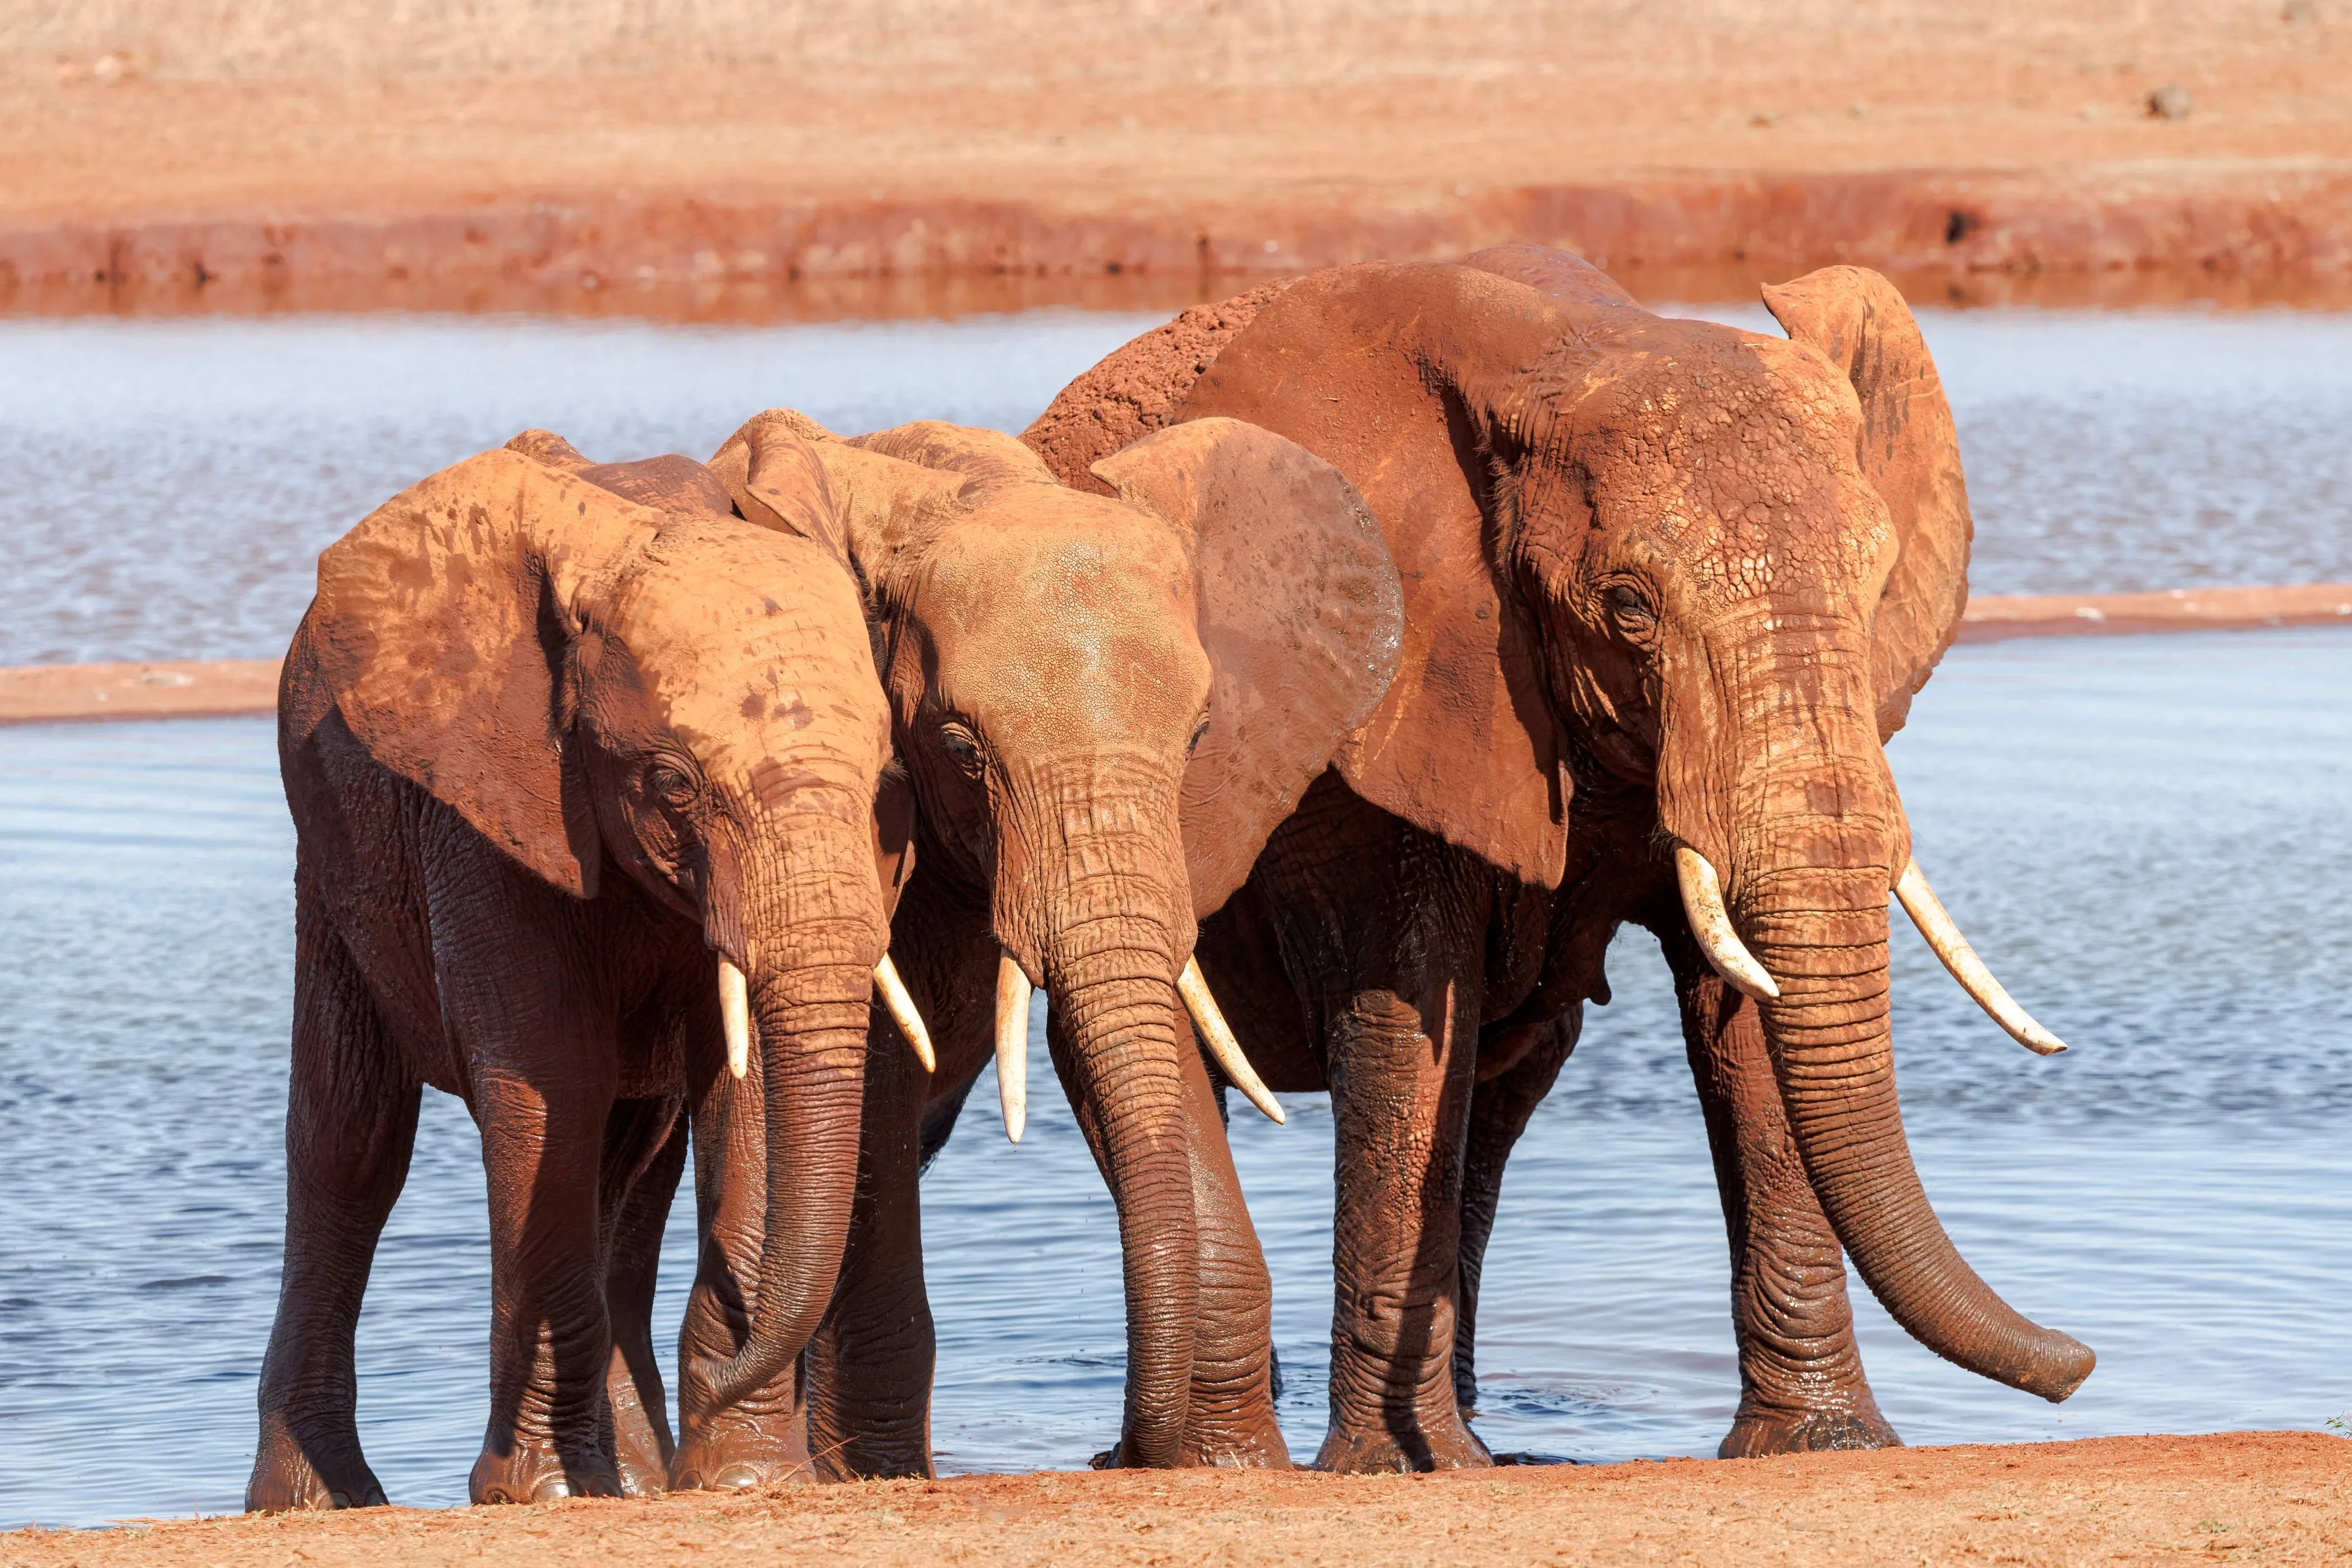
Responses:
[760,1439]
[351,1124]
[1499,1111]
[1801,1385]
[551,1428]
[1400,1087]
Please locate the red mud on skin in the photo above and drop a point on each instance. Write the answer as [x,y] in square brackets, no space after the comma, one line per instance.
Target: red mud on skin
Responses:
[213,688]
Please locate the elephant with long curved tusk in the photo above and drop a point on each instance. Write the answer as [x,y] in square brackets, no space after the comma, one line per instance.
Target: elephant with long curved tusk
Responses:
[1669,588]
[1104,696]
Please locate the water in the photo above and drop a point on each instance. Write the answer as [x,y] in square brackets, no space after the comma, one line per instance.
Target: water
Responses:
[2144,835]
[170,482]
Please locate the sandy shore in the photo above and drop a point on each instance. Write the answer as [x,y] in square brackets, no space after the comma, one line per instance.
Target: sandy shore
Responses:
[2273,1497]
[439,152]
[34,693]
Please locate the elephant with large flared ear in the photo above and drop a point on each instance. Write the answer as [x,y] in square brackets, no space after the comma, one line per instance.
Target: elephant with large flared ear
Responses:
[1669,588]
[1106,703]
[593,819]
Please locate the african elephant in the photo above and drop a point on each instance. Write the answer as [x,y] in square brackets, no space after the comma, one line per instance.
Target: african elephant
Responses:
[1669,588]
[588,794]
[1105,706]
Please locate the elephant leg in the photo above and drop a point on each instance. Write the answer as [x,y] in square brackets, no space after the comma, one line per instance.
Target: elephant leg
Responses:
[1801,1385]
[351,1124]
[1499,1109]
[762,1437]
[551,1428]
[1401,1060]
[646,1145]
[869,1367]
[1382,930]
[1230,1421]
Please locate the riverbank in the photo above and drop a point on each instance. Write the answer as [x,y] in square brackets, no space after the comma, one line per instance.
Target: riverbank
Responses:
[219,688]
[444,156]
[2272,1496]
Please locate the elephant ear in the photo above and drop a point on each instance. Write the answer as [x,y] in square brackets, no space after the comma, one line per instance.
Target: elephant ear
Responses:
[1909,451]
[772,473]
[441,625]
[1398,375]
[1300,614]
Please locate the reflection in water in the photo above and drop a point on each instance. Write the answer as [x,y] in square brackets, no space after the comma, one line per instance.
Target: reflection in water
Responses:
[2106,817]
[170,482]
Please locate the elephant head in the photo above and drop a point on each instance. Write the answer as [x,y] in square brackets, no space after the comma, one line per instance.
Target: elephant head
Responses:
[604,690]
[1107,705]
[1707,562]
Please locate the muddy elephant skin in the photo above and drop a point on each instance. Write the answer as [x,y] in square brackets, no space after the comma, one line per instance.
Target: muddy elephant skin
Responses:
[570,750]
[1104,703]
[1669,587]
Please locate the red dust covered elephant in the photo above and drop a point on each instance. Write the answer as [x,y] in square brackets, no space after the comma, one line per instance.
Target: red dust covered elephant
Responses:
[1668,588]
[590,787]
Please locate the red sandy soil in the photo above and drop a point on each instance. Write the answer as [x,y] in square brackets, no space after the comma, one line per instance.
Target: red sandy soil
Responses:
[2270,1496]
[31,694]
[195,688]
[1990,617]
[455,151]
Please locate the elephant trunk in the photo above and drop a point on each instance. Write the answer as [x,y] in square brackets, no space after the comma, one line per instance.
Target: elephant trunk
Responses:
[811,940]
[1115,1009]
[1814,836]
[1091,899]
[1820,933]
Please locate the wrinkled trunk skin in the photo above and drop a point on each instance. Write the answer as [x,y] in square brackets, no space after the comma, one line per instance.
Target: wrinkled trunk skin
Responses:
[1814,831]
[1113,1017]
[813,943]
[1821,934]
[1090,895]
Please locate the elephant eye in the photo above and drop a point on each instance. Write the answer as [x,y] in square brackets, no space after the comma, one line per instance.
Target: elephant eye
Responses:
[1199,730]
[1629,608]
[669,786]
[962,746]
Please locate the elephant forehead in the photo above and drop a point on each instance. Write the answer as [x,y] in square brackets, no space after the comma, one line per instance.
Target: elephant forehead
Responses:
[1742,465]
[754,657]
[1045,637]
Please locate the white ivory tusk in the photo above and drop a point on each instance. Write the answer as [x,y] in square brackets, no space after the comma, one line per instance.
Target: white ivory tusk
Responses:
[1193,986]
[1012,1045]
[735,1015]
[1926,912]
[903,1013]
[1702,907]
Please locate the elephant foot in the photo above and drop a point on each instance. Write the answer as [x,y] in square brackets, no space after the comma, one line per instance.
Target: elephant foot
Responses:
[1223,1452]
[641,1448]
[743,1455]
[1436,1445]
[531,1470]
[1758,1432]
[285,1479]
[1240,1444]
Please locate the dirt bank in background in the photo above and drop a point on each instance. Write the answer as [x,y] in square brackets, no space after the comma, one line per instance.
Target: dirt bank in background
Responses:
[500,151]
[211,688]
[2275,1497]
